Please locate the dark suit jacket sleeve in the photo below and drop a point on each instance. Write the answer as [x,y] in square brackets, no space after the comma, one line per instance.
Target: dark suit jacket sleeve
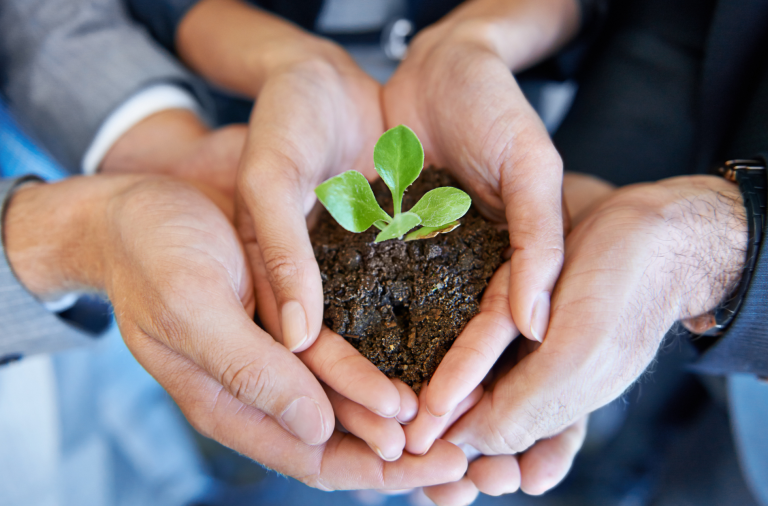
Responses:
[160,17]
[66,65]
[26,327]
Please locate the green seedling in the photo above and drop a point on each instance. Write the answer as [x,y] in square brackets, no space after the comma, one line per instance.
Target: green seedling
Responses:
[399,158]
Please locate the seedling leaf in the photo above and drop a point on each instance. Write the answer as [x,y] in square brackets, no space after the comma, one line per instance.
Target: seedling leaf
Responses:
[398,157]
[402,223]
[441,206]
[349,199]
[430,232]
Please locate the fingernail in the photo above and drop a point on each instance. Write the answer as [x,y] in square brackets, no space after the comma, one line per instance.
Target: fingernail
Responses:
[404,418]
[294,325]
[381,455]
[426,406]
[304,419]
[386,415]
[540,317]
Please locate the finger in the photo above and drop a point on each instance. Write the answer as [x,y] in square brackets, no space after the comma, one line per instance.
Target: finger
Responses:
[516,414]
[409,402]
[532,193]
[339,365]
[384,435]
[210,327]
[476,350]
[458,493]
[266,304]
[344,462]
[477,429]
[426,428]
[273,197]
[495,475]
[546,463]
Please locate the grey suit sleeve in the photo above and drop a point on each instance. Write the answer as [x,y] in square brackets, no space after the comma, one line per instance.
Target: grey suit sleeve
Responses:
[26,327]
[67,64]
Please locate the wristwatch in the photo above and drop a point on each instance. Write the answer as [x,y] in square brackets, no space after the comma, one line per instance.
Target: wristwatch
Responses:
[750,175]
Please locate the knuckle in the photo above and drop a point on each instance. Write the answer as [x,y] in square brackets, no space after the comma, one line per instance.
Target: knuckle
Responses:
[202,415]
[169,321]
[281,266]
[251,383]
[511,431]
[512,439]
[315,480]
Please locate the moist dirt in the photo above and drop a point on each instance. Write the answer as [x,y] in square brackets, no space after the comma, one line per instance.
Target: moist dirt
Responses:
[402,304]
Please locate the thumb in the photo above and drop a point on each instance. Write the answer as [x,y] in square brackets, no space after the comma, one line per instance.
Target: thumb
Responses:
[532,194]
[223,340]
[270,216]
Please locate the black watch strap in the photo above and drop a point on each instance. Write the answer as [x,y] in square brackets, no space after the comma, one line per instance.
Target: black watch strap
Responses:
[750,175]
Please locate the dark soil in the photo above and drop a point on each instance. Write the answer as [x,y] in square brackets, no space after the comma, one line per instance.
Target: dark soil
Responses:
[402,304]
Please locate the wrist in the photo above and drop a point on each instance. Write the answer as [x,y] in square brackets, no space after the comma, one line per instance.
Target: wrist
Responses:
[709,230]
[240,47]
[54,234]
[155,144]
[520,32]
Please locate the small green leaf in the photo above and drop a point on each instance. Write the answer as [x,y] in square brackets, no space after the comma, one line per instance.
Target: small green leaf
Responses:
[398,157]
[400,225]
[441,206]
[349,199]
[430,232]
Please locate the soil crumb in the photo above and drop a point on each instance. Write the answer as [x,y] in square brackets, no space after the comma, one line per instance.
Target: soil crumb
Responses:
[402,304]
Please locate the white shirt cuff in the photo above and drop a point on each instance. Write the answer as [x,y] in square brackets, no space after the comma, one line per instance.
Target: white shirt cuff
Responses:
[140,106]
[65,302]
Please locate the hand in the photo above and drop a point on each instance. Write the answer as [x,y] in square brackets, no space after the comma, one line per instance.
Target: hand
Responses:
[316,115]
[176,142]
[310,95]
[467,363]
[176,274]
[456,91]
[645,257]
[365,402]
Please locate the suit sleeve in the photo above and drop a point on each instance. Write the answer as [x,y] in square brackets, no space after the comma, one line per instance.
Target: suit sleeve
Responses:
[26,327]
[66,65]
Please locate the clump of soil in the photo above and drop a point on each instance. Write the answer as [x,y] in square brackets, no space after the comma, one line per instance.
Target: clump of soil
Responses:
[402,304]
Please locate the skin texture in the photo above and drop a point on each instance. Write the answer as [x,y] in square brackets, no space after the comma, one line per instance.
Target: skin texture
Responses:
[176,142]
[489,136]
[141,239]
[675,246]
[317,115]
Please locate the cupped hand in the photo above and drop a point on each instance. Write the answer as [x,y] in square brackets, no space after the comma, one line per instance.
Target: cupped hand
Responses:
[471,368]
[648,255]
[183,297]
[463,102]
[365,401]
[312,120]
